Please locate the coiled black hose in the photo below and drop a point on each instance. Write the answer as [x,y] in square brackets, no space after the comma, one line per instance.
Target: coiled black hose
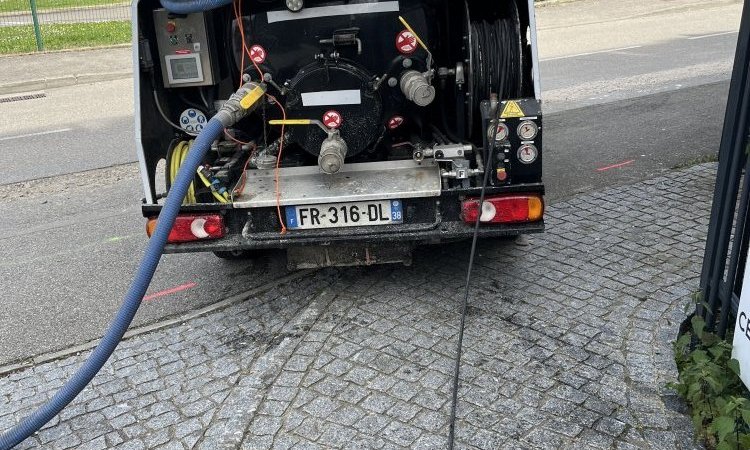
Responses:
[496,54]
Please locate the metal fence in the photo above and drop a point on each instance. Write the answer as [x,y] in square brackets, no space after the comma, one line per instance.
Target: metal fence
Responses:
[729,230]
[28,25]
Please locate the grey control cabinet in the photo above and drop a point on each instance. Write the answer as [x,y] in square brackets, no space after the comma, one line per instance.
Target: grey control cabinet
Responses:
[185,49]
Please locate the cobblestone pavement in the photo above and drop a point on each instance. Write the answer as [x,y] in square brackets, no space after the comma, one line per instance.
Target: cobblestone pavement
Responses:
[567,346]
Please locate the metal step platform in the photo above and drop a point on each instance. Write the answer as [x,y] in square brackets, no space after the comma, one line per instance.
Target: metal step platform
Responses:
[355,182]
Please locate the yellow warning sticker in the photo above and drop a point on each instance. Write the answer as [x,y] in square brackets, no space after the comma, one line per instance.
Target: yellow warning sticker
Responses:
[512,110]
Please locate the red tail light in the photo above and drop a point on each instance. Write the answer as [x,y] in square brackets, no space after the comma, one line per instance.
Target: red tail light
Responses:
[503,209]
[191,228]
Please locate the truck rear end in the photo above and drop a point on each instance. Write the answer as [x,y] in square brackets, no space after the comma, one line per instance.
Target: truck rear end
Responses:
[373,132]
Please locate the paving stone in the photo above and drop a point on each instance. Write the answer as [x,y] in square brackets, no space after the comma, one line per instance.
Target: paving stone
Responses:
[610,426]
[401,434]
[154,439]
[310,429]
[265,425]
[544,439]
[567,346]
[372,424]
[99,443]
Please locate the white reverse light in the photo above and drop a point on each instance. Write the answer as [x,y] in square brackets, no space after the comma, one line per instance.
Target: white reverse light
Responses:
[198,228]
[295,5]
[488,212]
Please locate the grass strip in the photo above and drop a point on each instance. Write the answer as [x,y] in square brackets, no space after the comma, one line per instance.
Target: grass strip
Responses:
[23,5]
[60,36]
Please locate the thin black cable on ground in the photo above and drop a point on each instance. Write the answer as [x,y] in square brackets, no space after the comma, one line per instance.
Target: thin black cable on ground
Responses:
[497,69]
[459,346]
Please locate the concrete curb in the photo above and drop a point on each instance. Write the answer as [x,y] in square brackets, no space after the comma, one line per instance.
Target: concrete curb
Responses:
[67,50]
[165,323]
[62,81]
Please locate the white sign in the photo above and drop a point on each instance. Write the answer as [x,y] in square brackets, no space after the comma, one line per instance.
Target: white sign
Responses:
[367,7]
[741,344]
[332,98]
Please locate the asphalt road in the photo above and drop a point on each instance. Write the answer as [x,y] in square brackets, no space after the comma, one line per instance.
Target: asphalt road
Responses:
[650,108]
[608,76]
[72,241]
[85,127]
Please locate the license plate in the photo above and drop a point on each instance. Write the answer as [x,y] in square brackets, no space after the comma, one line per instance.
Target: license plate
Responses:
[337,215]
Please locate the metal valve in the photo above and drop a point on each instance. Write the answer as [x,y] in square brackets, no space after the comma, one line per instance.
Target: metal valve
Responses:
[332,151]
[455,154]
[417,88]
[332,154]
[443,152]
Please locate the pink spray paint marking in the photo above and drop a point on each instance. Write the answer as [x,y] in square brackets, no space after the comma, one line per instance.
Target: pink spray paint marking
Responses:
[170,291]
[615,166]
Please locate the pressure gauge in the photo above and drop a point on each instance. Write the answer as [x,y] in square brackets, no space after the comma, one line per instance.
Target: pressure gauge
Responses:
[527,130]
[528,153]
[502,132]
[294,5]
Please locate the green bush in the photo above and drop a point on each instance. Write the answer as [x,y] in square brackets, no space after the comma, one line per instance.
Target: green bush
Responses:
[709,382]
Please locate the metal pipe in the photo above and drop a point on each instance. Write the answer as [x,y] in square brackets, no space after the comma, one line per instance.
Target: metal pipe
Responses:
[37,30]
[714,257]
[734,258]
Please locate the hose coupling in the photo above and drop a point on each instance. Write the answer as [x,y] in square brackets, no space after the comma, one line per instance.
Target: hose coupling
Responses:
[332,154]
[241,103]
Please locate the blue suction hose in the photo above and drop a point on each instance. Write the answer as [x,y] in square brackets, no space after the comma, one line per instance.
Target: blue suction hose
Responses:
[239,104]
[192,6]
[133,298]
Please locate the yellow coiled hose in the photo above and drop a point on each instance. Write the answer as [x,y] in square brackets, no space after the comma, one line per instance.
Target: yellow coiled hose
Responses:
[179,153]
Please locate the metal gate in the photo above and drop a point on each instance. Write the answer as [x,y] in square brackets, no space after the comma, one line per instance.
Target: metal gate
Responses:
[729,230]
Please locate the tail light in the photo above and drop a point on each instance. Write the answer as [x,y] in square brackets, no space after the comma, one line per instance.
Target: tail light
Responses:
[191,228]
[503,209]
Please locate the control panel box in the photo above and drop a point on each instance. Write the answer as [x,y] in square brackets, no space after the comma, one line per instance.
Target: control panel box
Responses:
[185,50]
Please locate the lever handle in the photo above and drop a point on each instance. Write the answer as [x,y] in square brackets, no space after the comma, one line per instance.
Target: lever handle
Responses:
[301,122]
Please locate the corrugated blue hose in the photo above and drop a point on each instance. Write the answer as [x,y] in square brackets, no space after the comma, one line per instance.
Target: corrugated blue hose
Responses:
[133,298]
[192,6]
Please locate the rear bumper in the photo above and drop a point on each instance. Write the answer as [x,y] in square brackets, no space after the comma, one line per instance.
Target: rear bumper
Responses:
[446,232]
[427,220]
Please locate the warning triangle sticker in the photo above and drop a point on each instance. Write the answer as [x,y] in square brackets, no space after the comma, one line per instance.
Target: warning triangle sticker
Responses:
[512,110]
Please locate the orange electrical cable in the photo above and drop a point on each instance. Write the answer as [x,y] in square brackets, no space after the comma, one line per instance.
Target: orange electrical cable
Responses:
[278,166]
[241,188]
[237,4]
[241,24]
[235,7]
[246,50]
[234,139]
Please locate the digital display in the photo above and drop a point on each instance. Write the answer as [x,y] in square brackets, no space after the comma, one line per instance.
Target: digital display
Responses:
[185,69]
